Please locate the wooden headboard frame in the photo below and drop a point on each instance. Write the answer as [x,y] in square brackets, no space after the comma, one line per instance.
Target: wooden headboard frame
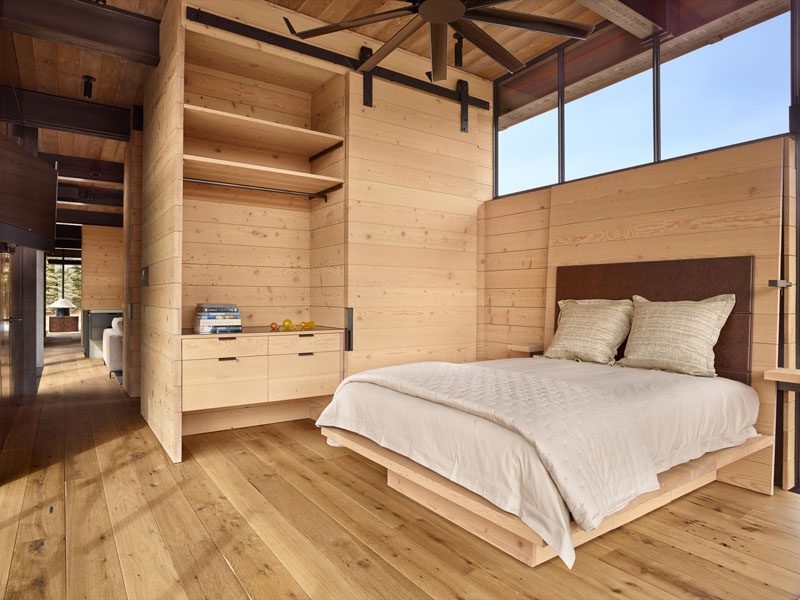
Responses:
[669,280]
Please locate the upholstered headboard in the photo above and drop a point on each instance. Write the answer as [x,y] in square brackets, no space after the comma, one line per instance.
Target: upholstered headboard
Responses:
[668,280]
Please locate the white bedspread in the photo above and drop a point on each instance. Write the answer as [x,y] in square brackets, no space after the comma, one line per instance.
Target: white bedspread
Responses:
[600,433]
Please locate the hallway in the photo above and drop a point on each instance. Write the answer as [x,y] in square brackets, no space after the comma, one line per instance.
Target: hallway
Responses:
[91,508]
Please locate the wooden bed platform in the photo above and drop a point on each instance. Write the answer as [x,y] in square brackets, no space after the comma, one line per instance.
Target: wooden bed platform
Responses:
[508,533]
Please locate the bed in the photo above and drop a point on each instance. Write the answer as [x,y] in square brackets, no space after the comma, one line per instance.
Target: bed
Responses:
[537,500]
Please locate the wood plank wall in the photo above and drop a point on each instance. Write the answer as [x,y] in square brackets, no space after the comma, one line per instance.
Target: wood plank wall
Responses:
[101,268]
[789,307]
[162,223]
[249,248]
[722,203]
[329,218]
[415,183]
[132,276]
[513,272]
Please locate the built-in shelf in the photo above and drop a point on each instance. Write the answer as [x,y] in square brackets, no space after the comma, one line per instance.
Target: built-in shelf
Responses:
[226,171]
[219,126]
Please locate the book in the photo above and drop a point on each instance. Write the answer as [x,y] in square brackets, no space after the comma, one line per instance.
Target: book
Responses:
[217,308]
[217,322]
[221,329]
[218,315]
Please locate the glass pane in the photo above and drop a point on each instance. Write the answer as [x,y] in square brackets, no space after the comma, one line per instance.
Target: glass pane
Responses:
[611,128]
[729,92]
[527,154]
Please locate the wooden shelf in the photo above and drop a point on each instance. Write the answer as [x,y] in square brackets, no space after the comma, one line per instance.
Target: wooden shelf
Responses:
[215,125]
[226,171]
[783,374]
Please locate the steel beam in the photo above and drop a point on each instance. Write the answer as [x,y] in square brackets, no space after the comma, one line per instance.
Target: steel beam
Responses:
[36,109]
[65,253]
[84,24]
[88,217]
[89,195]
[67,245]
[68,232]
[86,168]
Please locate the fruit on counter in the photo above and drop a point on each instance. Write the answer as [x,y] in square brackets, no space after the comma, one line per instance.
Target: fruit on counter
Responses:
[274,327]
[288,325]
[306,325]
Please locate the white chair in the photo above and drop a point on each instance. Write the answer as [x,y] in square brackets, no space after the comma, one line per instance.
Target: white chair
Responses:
[112,345]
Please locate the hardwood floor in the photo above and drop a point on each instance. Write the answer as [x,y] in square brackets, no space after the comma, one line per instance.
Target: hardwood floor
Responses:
[91,507]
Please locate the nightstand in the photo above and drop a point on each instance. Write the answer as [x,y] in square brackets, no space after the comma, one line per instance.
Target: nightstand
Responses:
[529,349]
[788,379]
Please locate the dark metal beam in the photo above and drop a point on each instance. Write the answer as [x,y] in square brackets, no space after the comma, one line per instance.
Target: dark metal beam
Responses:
[67,244]
[89,195]
[88,217]
[65,253]
[86,168]
[36,109]
[68,232]
[54,260]
[85,24]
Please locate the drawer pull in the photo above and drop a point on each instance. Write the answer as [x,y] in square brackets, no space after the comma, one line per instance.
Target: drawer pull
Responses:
[305,354]
[306,335]
[227,358]
[226,339]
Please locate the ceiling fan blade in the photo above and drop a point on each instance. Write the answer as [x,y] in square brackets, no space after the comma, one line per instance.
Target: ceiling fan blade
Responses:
[509,18]
[438,51]
[393,42]
[484,3]
[484,41]
[349,24]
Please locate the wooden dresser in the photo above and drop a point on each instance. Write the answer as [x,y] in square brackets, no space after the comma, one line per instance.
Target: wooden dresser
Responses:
[254,377]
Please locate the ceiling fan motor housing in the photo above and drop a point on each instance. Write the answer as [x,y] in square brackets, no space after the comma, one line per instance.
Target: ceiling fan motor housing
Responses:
[442,11]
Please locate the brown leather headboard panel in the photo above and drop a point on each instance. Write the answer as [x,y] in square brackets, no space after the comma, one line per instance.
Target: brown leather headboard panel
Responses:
[669,280]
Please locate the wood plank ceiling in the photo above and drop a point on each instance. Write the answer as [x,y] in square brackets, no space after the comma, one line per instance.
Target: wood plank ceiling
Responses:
[523,44]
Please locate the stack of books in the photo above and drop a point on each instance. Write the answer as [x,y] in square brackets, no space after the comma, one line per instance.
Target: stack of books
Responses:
[217,318]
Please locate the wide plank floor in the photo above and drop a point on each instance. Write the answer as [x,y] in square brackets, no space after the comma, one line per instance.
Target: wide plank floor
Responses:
[90,507]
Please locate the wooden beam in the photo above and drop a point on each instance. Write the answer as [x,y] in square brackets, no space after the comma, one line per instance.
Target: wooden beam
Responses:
[84,24]
[89,195]
[623,16]
[36,109]
[88,217]
[86,168]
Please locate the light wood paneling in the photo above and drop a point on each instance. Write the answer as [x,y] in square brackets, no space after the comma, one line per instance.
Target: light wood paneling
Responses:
[102,268]
[415,185]
[329,218]
[132,267]
[162,224]
[269,285]
[512,272]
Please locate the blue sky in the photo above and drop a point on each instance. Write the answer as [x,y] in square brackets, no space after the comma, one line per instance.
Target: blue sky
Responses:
[729,92]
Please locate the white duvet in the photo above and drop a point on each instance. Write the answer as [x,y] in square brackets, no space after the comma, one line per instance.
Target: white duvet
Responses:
[541,438]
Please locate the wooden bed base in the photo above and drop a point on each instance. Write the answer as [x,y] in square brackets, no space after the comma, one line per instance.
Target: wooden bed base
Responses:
[508,533]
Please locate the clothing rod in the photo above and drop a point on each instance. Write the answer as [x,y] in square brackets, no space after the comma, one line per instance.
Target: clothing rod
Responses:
[257,188]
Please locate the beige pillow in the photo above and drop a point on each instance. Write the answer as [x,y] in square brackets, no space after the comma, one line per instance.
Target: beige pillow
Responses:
[677,336]
[591,330]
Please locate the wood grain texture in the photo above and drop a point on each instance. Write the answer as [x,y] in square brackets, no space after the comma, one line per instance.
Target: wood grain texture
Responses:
[414,187]
[162,225]
[102,269]
[273,512]
[132,267]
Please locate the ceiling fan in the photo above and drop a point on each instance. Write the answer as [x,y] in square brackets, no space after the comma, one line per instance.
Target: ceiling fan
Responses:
[461,15]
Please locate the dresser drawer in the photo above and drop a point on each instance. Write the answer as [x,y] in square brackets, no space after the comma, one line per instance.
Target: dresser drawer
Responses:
[288,388]
[224,345]
[225,394]
[305,342]
[305,364]
[216,370]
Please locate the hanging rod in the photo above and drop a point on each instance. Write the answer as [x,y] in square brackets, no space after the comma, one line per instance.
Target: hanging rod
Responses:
[323,194]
